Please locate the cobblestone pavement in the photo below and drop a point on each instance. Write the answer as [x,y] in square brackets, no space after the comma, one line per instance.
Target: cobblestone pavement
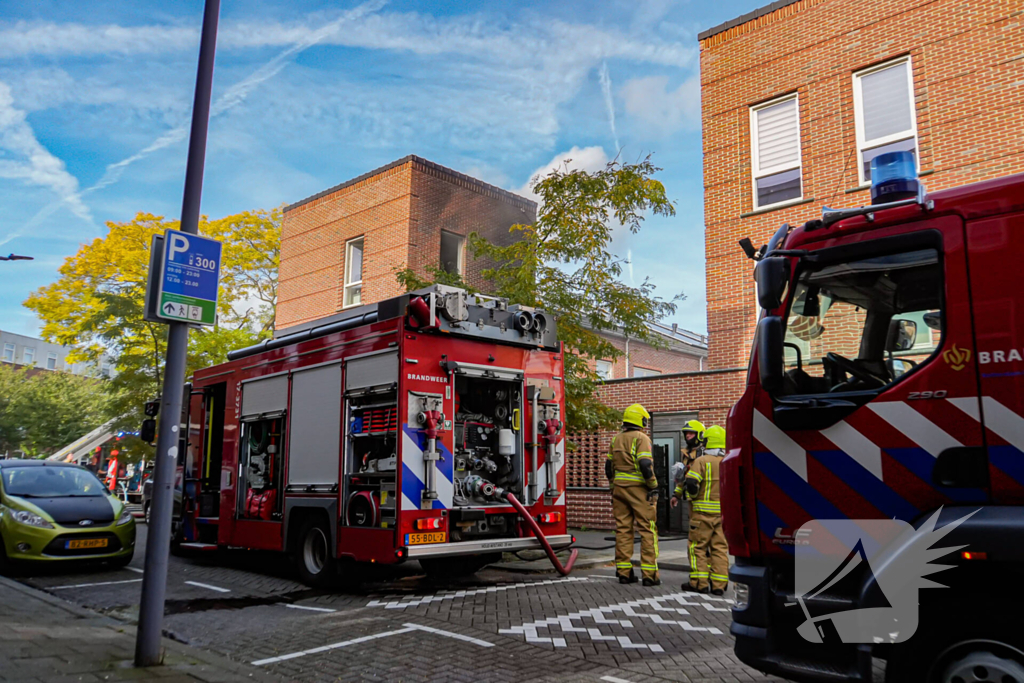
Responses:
[397,625]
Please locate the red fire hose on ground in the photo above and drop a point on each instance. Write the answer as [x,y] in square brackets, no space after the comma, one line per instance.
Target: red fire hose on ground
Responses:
[563,570]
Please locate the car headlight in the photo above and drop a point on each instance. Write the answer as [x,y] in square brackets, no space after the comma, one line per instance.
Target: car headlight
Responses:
[124,518]
[30,519]
[742,599]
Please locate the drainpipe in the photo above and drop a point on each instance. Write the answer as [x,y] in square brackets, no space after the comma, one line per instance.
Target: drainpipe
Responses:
[627,356]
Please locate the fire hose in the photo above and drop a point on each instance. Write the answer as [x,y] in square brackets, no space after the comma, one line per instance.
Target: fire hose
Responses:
[486,489]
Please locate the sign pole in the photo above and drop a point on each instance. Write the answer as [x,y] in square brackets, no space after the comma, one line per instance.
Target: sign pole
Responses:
[154,580]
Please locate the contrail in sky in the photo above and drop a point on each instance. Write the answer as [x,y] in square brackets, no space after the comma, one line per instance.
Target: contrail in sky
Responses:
[234,96]
[609,103]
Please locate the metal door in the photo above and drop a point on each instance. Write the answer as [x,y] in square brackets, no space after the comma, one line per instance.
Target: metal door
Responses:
[660,453]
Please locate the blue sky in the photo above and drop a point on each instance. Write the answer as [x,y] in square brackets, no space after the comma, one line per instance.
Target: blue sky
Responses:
[95,100]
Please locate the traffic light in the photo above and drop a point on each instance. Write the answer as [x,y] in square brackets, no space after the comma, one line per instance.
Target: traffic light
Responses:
[152,408]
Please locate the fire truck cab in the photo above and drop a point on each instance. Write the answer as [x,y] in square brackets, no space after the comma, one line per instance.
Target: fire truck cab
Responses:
[385,433]
[886,383]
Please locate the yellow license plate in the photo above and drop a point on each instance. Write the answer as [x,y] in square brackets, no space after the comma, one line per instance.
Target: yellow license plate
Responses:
[87,543]
[427,537]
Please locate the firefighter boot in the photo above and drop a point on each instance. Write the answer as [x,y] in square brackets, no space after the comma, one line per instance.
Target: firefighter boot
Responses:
[630,578]
[651,582]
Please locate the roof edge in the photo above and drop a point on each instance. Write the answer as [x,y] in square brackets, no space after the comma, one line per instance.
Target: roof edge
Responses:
[743,19]
[412,158]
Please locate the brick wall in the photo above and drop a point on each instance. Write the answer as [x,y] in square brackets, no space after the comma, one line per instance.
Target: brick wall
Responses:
[709,394]
[969,99]
[399,210]
[671,359]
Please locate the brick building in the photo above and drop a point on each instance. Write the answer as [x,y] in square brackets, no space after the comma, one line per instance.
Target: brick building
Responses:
[797,97]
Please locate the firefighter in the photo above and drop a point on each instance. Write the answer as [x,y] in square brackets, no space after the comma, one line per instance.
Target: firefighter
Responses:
[706,535]
[630,469]
[693,448]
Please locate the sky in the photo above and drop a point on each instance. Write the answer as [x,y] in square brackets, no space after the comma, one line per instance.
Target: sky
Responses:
[96,97]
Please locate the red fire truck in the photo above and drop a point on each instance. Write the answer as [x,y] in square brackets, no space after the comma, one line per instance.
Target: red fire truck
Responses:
[886,383]
[425,427]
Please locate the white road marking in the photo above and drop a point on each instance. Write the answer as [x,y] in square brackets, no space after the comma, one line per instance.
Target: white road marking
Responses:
[613,679]
[136,570]
[407,628]
[90,585]
[311,609]
[208,586]
[452,595]
[600,615]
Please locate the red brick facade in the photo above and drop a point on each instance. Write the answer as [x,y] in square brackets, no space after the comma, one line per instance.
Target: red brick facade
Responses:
[968,93]
[672,358]
[399,211]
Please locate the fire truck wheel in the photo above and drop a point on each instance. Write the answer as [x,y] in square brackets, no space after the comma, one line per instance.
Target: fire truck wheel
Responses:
[445,567]
[313,555]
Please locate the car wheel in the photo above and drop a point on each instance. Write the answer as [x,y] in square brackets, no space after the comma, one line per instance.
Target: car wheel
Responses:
[122,561]
[313,558]
[448,567]
[145,511]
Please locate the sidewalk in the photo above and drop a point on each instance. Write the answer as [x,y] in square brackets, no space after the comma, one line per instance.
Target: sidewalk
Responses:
[597,549]
[44,639]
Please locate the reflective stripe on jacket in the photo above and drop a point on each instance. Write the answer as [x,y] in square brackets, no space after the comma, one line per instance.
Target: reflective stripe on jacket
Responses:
[627,450]
[704,471]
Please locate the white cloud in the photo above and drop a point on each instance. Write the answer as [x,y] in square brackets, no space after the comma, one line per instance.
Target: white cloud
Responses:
[584,159]
[32,163]
[660,109]
[609,102]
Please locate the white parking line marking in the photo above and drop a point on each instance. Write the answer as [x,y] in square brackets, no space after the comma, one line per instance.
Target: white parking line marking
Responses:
[452,595]
[600,615]
[613,679]
[408,628]
[90,585]
[206,585]
[311,609]
[136,570]
[449,634]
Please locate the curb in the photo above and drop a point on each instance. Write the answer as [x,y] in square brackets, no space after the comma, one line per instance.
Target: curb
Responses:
[182,650]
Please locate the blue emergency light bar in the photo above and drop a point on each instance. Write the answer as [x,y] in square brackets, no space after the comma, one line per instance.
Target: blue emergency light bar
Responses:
[893,177]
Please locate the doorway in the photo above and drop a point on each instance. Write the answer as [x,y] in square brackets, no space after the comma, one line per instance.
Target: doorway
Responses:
[667,429]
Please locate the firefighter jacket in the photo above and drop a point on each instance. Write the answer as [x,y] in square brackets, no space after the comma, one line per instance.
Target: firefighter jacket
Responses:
[689,455]
[630,462]
[702,482]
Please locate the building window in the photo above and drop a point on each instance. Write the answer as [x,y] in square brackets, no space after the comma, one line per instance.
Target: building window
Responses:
[604,369]
[644,372]
[105,370]
[51,361]
[883,101]
[353,272]
[775,151]
[28,355]
[451,252]
[8,353]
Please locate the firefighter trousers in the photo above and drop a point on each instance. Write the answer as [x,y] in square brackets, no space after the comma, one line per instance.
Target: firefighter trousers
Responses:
[632,509]
[707,538]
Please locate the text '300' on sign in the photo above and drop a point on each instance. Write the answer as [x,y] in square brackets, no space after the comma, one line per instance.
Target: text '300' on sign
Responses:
[189,278]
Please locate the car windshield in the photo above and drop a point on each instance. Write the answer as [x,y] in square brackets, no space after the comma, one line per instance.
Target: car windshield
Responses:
[50,482]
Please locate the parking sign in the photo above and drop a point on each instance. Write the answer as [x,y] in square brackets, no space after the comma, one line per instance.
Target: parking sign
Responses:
[190,278]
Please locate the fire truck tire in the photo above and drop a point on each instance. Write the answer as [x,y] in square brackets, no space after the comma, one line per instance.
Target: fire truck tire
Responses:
[987,644]
[313,554]
[445,567]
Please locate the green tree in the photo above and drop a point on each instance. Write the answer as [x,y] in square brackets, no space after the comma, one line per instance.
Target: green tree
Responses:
[96,305]
[563,264]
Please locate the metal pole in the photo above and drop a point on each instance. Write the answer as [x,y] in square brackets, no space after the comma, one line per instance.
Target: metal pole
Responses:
[154,581]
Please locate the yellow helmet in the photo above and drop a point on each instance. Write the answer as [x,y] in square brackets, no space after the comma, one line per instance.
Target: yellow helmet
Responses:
[636,415]
[695,427]
[715,437]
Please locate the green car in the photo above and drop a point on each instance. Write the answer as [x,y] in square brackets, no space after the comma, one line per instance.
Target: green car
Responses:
[57,512]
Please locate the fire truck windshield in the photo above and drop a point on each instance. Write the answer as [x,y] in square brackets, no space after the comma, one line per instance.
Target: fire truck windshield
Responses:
[861,324]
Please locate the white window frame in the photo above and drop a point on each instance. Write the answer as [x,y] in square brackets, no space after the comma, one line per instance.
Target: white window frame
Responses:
[11,348]
[28,350]
[348,270]
[53,357]
[462,250]
[858,115]
[611,368]
[756,172]
[645,372]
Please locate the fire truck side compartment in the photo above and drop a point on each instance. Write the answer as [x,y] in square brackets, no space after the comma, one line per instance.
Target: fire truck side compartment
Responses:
[315,428]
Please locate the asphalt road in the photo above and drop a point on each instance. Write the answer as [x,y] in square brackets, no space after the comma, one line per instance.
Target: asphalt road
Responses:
[397,625]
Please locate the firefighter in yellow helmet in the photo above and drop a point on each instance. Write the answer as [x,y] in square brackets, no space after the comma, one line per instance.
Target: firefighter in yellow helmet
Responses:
[630,469]
[693,448]
[702,487]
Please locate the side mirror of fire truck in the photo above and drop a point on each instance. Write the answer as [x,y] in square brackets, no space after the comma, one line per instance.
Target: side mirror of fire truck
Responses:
[902,335]
[770,338]
[771,275]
